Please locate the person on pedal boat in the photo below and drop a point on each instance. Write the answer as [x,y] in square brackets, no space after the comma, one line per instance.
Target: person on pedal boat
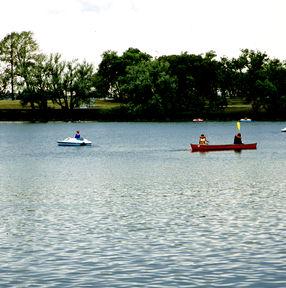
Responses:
[77,135]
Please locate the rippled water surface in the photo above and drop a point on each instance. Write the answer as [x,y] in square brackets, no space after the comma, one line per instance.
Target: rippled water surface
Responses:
[138,209]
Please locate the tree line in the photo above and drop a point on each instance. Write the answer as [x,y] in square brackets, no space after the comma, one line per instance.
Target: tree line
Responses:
[166,85]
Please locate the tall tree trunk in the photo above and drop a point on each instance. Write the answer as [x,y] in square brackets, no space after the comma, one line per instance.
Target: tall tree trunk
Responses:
[12,68]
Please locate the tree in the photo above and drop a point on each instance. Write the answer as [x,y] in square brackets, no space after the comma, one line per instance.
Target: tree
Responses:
[70,83]
[206,74]
[197,82]
[231,78]
[149,88]
[55,69]
[81,84]
[183,67]
[253,76]
[113,68]
[107,75]
[273,88]
[17,53]
[36,91]
[4,83]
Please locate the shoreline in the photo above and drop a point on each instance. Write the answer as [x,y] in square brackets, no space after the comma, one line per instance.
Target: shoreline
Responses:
[121,115]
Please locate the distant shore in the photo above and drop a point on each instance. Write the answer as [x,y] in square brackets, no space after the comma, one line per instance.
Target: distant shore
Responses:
[95,114]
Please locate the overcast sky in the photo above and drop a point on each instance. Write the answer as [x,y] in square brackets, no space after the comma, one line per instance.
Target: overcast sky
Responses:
[84,29]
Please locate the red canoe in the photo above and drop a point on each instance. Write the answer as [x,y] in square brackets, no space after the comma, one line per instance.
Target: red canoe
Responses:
[206,148]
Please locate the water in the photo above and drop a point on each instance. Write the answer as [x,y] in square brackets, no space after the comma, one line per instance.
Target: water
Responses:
[137,209]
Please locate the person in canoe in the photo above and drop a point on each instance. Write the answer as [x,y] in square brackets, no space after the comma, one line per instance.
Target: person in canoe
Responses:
[77,135]
[203,140]
[237,139]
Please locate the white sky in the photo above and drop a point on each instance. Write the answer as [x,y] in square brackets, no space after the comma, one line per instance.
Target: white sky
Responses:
[84,29]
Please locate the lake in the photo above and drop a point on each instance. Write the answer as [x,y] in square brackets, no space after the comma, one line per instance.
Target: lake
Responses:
[138,209]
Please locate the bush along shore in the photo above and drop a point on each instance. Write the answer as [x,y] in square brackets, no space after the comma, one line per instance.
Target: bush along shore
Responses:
[122,114]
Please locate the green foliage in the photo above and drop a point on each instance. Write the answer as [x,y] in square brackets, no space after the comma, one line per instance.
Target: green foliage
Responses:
[161,87]
[113,68]
[18,52]
[149,88]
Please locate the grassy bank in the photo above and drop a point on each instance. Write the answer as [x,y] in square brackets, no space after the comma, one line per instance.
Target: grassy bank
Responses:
[233,107]
[10,104]
[104,110]
[15,104]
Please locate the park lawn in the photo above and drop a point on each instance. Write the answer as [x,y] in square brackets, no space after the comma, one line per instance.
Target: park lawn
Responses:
[238,108]
[16,104]
[10,104]
[99,104]
[106,104]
